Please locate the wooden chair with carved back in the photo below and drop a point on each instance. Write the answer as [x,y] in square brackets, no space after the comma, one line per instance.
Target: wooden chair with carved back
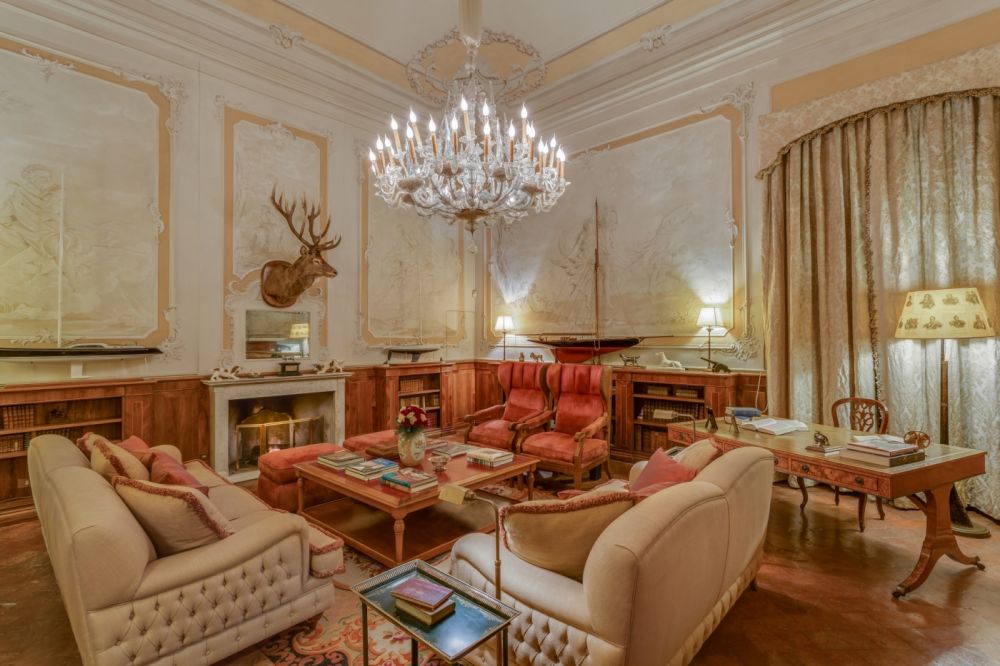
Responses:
[866,415]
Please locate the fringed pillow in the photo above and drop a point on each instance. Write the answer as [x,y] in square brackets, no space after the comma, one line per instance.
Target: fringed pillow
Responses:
[110,460]
[558,534]
[176,518]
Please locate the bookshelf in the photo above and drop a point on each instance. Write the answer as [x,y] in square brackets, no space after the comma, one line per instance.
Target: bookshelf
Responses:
[425,385]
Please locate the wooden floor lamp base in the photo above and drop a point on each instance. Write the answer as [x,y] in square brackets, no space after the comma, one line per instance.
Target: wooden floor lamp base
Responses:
[961,524]
[938,539]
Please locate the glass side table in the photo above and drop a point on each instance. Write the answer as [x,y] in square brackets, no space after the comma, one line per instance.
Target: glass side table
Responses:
[476,619]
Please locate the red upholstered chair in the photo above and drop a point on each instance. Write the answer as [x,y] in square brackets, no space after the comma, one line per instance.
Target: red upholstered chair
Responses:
[523,385]
[581,396]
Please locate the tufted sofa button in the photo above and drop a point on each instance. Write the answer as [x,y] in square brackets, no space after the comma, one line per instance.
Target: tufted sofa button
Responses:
[131,615]
[156,606]
[118,642]
[192,612]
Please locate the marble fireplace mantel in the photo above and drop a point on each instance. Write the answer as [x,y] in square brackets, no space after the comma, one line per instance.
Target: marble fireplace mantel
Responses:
[222,392]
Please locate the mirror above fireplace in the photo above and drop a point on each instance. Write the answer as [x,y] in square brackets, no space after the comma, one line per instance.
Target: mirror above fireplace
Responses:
[277,334]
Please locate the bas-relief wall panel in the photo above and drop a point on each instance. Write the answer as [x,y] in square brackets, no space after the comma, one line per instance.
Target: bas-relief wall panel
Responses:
[84,195]
[412,276]
[667,231]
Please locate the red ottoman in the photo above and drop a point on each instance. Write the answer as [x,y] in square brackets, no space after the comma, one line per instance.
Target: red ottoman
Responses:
[359,443]
[276,484]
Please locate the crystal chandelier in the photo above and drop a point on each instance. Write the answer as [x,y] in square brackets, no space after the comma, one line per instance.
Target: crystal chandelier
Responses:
[473,166]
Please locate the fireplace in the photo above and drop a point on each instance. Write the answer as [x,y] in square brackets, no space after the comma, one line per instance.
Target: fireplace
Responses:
[251,416]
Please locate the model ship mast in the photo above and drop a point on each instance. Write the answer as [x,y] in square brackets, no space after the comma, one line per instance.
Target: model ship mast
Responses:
[577,349]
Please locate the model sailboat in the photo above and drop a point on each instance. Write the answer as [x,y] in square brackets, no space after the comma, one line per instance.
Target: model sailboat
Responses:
[571,348]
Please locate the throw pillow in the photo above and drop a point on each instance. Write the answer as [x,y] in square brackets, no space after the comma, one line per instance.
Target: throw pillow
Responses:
[86,443]
[110,460]
[557,535]
[134,445]
[175,518]
[698,455]
[660,469]
[164,469]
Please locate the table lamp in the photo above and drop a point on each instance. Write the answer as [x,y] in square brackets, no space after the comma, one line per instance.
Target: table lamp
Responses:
[710,318]
[504,323]
[947,314]
[300,332]
[456,494]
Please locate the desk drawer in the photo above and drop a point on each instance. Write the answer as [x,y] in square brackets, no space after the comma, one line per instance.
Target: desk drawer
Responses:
[680,437]
[840,477]
[781,463]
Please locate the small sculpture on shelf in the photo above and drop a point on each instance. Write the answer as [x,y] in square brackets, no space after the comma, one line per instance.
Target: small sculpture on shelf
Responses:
[333,365]
[715,366]
[630,360]
[225,371]
[536,358]
[668,363]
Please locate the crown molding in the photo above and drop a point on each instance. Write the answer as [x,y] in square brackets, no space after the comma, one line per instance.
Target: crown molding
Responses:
[211,38]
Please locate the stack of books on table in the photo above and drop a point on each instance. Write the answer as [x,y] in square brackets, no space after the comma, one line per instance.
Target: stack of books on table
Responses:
[489,457]
[771,426]
[371,469]
[426,601]
[882,450]
[410,480]
[340,459]
[450,449]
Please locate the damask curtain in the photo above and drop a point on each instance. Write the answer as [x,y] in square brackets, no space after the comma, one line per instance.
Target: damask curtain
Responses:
[858,213]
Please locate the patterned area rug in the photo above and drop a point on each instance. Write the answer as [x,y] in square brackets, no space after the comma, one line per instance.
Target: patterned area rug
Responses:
[335,640]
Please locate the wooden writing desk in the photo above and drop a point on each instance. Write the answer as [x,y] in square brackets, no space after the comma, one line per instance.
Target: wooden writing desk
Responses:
[933,476]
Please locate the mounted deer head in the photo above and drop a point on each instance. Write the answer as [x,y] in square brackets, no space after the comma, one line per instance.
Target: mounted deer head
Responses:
[281,283]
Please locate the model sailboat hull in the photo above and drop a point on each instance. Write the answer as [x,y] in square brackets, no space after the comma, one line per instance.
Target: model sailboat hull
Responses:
[568,349]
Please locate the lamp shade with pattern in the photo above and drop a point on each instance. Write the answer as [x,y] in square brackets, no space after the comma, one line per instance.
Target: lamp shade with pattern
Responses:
[944,314]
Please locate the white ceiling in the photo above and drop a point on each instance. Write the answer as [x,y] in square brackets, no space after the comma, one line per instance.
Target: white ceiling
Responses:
[400,28]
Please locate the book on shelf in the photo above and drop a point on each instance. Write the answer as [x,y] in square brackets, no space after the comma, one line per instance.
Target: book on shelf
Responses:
[451,449]
[371,469]
[686,393]
[422,593]
[340,459]
[882,445]
[409,480]
[772,426]
[880,460]
[425,616]
[489,457]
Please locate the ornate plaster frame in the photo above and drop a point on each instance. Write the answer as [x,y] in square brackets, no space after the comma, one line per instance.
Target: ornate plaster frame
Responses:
[167,97]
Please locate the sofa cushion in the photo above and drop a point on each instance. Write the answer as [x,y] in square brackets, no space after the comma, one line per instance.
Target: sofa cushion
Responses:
[235,501]
[662,469]
[558,534]
[175,518]
[559,446]
[164,469]
[202,471]
[110,460]
[698,455]
[86,443]
[134,445]
[495,434]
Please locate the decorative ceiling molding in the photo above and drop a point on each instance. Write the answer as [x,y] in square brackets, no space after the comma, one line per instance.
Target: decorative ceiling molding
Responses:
[284,36]
[742,97]
[513,69]
[655,38]
[48,67]
[173,89]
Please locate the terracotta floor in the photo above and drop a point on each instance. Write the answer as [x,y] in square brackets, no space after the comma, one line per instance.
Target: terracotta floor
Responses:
[823,597]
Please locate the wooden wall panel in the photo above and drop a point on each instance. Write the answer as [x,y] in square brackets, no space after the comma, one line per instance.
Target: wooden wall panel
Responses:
[359,408]
[462,391]
[488,391]
[179,409]
[751,390]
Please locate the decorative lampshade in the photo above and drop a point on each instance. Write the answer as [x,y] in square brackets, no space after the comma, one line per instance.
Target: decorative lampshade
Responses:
[710,317]
[937,314]
[299,331]
[504,323]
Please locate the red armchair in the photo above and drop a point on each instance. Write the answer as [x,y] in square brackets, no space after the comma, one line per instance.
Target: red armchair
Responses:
[581,397]
[523,385]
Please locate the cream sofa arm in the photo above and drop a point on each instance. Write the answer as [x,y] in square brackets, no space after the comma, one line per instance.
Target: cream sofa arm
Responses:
[286,533]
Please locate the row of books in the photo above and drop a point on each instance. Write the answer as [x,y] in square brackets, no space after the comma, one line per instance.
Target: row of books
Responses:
[882,450]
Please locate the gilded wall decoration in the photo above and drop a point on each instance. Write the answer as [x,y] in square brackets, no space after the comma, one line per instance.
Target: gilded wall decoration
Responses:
[666,201]
[412,276]
[84,203]
[261,155]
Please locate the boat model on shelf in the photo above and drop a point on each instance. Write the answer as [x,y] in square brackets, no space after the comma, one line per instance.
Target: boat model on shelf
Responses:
[581,348]
[578,348]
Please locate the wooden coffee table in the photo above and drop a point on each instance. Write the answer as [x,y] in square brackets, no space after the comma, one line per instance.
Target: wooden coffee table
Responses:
[373,518]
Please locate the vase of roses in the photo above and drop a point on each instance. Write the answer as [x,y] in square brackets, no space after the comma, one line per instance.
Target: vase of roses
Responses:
[410,425]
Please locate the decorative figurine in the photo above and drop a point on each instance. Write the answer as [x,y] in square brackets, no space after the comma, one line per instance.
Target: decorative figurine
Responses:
[668,363]
[333,365]
[628,361]
[225,372]
[537,358]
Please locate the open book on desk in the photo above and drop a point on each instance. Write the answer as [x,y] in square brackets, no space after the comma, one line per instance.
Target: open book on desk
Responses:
[770,426]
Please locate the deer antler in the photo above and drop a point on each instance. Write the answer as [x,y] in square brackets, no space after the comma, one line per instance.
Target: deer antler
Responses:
[312,212]
[288,214]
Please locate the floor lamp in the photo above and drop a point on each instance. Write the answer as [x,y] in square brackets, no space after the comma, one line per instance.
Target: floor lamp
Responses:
[947,314]
[504,323]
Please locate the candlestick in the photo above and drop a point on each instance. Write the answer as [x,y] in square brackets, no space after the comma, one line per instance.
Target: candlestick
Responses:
[562,163]
[432,130]
[409,143]
[552,151]
[524,123]
[454,135]
[416,129]
[388,151]
[486,137]
[465,115]
[371,158]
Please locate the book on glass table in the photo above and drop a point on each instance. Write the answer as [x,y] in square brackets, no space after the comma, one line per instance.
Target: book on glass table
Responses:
[422,593]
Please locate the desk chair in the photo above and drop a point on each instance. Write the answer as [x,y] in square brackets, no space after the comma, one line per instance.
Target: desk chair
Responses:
[866,415]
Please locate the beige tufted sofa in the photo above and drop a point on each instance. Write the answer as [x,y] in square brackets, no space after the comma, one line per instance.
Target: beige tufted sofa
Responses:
[127,606]
[657,582]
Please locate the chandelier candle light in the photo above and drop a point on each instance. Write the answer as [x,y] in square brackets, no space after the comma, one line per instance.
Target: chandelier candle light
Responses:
[488,171]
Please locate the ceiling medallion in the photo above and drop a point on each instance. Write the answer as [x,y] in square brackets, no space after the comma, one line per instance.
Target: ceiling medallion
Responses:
[507,65]
[473,166]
